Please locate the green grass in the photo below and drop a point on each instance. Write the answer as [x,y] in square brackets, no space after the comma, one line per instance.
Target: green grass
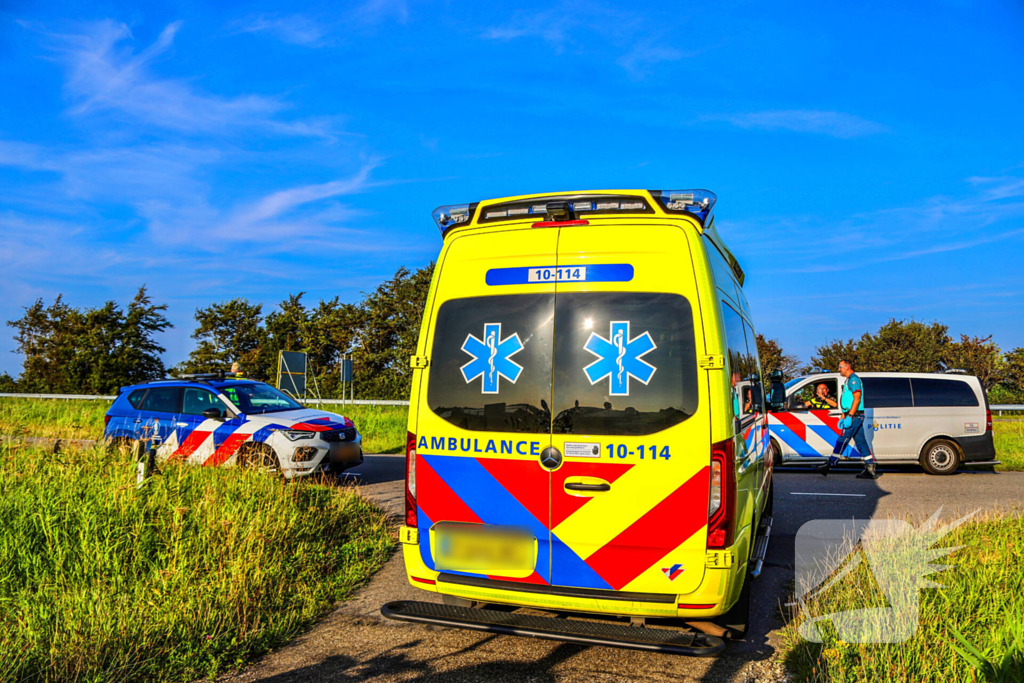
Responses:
[1009,439]
[198,572]
[383,427]
[981,599]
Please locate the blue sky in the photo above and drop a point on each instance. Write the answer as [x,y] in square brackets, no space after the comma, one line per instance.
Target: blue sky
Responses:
[869,159]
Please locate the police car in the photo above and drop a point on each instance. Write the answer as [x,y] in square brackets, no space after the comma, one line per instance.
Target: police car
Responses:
[578,441]
[938,420]
[217,420]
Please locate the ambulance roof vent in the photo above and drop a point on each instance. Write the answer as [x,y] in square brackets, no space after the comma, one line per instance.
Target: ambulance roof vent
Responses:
[700,203]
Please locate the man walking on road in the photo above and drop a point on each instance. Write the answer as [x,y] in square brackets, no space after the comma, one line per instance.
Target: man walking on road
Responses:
[852,425]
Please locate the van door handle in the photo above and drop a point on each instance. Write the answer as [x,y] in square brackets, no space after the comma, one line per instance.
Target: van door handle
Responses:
[576,486]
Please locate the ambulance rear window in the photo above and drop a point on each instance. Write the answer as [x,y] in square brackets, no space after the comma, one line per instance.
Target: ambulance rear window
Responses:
[490,364]
[625,363]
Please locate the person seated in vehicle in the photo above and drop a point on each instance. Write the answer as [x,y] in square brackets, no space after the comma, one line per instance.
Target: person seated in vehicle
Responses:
[821,400]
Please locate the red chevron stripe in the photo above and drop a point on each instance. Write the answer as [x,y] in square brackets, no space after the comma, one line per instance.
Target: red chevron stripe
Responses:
[439,502]
[226,450]
[191,443]
[832,422]
[794,423]
[563,505]
[668,524]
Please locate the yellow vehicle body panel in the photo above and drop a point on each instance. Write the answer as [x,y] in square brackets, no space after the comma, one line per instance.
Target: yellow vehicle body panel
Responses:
[620,521]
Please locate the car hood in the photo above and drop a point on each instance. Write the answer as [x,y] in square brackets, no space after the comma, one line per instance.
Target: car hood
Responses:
[304,418]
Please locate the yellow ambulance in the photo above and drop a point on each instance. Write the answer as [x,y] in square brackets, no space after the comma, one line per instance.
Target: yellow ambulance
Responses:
[587,425]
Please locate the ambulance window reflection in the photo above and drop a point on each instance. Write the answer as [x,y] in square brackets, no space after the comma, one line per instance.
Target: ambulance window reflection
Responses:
[625,363]
[492,394]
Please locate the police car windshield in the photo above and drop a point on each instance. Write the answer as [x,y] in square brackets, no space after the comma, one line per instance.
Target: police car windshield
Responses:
[256,399]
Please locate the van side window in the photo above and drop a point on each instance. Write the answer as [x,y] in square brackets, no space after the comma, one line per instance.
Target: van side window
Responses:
[754,364]
[809,393]
[934,393]
[161,400]
[739,364]
[135,398]
[887,392]
[195,401]
[723,273]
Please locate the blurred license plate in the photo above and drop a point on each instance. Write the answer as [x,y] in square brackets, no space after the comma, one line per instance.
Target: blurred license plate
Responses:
[483,548]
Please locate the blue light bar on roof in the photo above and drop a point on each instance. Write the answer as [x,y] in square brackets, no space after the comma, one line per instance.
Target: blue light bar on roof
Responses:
[452,215]
[698,202]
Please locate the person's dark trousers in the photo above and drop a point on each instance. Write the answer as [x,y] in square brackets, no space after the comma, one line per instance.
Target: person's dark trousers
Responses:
[855,432]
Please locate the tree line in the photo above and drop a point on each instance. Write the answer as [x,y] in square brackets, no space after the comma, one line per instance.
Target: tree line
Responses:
[97,350]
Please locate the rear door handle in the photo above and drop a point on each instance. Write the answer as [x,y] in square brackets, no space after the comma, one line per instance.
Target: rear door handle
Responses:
[576,486]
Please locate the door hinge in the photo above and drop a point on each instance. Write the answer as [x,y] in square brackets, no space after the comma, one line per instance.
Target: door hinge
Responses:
[718,559]
[714,361]
[418,362]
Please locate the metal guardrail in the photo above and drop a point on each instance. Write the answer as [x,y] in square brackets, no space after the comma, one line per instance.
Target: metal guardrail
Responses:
[1006,406]
[323,401]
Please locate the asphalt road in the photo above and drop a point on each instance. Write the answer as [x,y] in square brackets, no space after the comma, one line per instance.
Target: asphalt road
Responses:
[354,643]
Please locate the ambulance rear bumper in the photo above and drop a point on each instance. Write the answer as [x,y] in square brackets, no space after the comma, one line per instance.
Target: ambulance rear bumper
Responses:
[669,641]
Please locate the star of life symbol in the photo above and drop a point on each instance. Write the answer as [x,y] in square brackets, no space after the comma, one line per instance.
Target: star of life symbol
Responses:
[491,358]
[673,572]
[619,358]
[896,555]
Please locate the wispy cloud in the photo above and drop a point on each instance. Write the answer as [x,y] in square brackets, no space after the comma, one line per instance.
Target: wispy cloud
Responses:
[106,75]
[640,60]
[834,123]
[570,24]
[378,11]
[297,29]
[990,214]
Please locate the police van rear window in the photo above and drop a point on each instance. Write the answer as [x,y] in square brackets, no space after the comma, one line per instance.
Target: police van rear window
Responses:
[942,393]
[622,363]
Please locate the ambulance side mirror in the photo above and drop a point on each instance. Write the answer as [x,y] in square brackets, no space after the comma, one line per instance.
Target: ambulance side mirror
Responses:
[777,396]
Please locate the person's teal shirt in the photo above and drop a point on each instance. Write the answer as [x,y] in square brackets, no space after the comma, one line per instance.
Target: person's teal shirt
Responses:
[853,384]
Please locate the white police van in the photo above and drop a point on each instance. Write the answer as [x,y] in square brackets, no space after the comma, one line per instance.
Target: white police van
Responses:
[938,420]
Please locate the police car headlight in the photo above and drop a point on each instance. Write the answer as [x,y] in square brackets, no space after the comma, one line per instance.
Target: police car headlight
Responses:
[296,434]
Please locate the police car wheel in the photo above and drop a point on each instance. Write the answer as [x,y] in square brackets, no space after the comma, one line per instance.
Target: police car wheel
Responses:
[120,443]
[776,454]
[258,456]
[940,456]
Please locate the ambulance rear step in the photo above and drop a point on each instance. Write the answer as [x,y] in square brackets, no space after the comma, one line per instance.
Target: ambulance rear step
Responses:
[664,640]
[760,547]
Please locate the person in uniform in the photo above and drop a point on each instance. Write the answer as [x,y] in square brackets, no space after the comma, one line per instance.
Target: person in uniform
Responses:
[851,425]
[821,399]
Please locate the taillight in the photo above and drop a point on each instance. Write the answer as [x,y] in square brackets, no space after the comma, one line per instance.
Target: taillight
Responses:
[722,497]
[988,420]
[410,480]
[106,420]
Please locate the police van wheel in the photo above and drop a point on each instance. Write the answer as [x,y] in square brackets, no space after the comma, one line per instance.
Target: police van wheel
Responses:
[776,454]
[940,456]
[258,456]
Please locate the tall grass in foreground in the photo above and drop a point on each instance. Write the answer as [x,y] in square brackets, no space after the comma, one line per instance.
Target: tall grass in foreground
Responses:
[982,599]
[199,571]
